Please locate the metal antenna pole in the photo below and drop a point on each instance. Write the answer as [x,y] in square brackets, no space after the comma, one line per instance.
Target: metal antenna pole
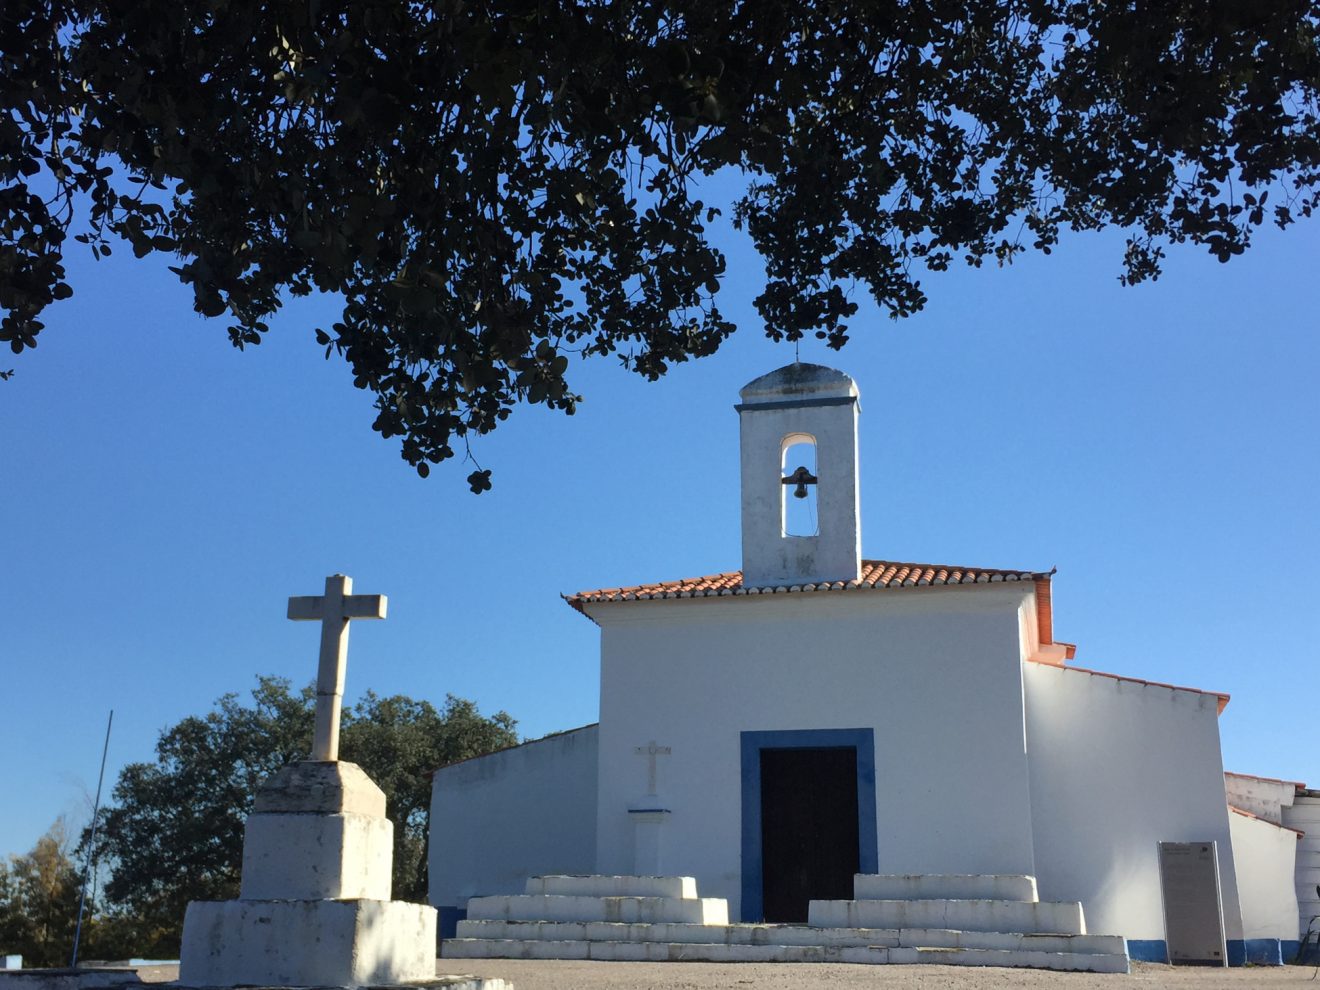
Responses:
[91,842]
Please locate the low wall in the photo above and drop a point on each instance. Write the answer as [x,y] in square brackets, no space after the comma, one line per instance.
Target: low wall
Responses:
[498,819]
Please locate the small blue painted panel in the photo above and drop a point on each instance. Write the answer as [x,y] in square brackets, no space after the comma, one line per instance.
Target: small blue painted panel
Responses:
[447,919]
[860,740]
[1154,950]
[1236,950]
[1264,951]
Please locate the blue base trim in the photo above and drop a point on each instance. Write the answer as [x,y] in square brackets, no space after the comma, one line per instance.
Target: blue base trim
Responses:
[447,919]
[1148,950]
[1252,951]
[861,740]
[1310,958]
[1266,951]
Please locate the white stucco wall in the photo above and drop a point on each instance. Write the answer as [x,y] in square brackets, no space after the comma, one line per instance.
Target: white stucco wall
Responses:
[525,811]
[934,672]
[1116,767]
[1304,815]
[1266,856]
[1265,797]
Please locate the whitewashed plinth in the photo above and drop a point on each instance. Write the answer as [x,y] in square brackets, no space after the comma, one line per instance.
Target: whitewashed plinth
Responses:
[314,907]
[303,943]
[314,856]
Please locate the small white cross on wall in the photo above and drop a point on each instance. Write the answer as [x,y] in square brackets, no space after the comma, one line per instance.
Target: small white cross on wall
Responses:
[333,609]
[651,751]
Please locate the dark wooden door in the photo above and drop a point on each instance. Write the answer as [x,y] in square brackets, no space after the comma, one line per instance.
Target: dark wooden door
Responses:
[809,841]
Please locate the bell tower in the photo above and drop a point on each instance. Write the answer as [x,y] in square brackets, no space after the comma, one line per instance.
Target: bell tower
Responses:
[800,519]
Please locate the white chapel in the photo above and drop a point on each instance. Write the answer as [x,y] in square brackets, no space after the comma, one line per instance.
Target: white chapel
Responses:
[837,744]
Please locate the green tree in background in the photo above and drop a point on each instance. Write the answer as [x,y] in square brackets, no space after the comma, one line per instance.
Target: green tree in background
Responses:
[174,832]
[399,742]
[491,187]
[39,901]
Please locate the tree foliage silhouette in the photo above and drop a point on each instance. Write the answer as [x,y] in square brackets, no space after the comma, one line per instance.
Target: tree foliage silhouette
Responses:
[174,832]
[491,187]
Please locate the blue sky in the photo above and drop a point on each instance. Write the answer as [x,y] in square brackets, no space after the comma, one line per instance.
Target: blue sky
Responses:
[166,494]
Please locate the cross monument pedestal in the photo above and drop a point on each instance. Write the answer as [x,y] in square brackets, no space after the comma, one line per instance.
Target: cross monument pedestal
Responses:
[314,907]
[648,816]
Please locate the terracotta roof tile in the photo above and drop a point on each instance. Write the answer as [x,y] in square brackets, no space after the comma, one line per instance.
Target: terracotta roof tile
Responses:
[1269,780]
[1222,698]
[1251,814]
[876,575]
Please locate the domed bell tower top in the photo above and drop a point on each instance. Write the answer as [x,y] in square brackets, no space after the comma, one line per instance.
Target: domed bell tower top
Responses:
[800,520]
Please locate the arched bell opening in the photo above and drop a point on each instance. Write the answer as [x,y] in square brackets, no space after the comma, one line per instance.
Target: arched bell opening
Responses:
[799,501]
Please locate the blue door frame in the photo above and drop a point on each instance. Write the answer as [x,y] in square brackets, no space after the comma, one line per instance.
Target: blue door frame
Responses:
[861,740]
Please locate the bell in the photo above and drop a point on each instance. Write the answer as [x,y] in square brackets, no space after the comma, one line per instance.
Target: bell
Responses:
[801,477]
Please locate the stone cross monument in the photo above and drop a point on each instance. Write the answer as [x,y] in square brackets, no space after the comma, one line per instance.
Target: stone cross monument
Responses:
[314,906]
[333,609]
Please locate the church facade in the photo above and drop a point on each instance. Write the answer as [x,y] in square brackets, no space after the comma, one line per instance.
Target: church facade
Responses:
[776,730]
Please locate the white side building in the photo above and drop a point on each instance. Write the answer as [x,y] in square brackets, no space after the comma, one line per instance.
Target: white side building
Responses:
[774,731]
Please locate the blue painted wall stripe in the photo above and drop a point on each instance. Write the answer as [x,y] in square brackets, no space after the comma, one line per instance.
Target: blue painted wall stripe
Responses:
[1148,950]
[1289,948]
[447,919]
[861,740]
[1256,951]
[1265,951]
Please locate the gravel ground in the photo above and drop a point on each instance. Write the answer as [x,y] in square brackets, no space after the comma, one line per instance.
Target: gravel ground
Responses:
[545,975]
[555,975]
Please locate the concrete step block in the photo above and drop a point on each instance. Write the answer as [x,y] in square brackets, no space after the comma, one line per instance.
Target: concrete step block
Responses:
[468,982]
[507,948]
[938,938]
[1039,917]
[312,857]
[604,931]
[943,886]
[558,907]
[1021,958]
[698,952]
[601,931]
[659,951]
[610,886]
[710,952]
[319,943]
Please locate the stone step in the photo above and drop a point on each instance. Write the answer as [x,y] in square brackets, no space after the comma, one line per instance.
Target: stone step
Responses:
[610,886]
[548,931]
[128,980]
[1038,917]
[469,982]
[462,948]
[1025,958]
[558,907]
[943,886]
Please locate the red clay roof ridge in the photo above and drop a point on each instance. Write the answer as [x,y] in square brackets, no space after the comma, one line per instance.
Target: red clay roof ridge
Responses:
[1251,814]
[1223,698]
[876,575]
